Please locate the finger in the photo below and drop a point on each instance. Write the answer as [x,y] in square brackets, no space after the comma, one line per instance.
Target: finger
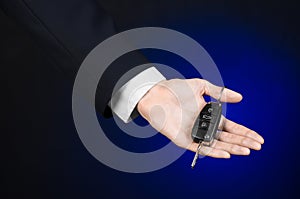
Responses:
[227,95]
[231,148]
[239,140]
[238,129]
[208,151]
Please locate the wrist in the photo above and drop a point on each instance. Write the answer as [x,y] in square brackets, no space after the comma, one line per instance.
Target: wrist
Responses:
[153,94]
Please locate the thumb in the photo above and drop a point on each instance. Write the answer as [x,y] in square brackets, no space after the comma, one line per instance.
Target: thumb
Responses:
[227,94]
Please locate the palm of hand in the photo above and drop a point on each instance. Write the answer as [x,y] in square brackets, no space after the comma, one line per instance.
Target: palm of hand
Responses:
[171,107]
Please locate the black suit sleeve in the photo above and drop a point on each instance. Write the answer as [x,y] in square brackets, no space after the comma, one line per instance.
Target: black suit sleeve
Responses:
[67,30]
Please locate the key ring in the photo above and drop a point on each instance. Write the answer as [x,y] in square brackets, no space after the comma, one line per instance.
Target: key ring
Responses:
[219,131]
[221,93]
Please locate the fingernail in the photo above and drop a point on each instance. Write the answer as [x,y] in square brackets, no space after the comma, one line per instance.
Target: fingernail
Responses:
[261,140]
[246,151]
[256,146]
[227,155]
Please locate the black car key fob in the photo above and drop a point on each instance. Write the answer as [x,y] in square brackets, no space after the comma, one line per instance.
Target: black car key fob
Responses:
[206,126]
[207,123]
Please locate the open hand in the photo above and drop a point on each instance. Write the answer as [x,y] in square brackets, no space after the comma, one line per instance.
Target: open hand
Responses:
[172,106]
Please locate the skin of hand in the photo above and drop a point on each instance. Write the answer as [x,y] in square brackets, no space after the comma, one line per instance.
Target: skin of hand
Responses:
[172,106]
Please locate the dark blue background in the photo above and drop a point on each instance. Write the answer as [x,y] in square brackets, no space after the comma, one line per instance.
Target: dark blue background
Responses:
[255,63]
[255,46]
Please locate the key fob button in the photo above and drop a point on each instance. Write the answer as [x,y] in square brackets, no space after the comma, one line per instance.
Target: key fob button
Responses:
[207,109]
[204,125]
[206,117]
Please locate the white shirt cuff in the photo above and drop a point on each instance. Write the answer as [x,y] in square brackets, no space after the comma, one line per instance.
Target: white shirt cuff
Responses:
[127,97]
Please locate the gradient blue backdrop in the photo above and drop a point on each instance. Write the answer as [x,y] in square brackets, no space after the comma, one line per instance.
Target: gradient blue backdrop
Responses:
[253,63]
[255,45]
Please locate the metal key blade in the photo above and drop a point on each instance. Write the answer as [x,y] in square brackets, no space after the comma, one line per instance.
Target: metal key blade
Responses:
[195,159]
[196,155]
